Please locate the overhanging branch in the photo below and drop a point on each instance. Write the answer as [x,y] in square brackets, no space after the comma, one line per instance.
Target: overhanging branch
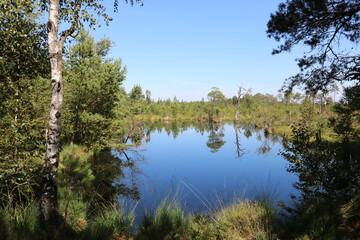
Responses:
[74,24]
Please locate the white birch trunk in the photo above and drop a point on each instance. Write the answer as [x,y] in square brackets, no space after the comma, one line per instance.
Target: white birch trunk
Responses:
[49,203]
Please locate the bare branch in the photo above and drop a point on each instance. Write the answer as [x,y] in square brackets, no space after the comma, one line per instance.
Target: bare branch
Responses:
[346,76]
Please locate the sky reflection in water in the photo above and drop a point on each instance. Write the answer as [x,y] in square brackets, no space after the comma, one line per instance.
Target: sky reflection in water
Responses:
[208,167]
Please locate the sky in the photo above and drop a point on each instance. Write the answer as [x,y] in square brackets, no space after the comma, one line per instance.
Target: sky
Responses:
[183,48]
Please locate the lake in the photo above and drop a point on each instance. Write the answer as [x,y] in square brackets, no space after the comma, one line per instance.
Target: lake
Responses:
[209,165]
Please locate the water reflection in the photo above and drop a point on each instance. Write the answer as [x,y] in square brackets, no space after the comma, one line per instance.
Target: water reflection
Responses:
[267,140]
[215,137]
[329,183]
[265,146]
[328,172]
[185,157]
[202,155]
[239,151]
[92,179]
[326,169]
[110,179]
[118,171]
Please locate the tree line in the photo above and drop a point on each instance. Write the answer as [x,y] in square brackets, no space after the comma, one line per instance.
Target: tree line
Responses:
[91,114]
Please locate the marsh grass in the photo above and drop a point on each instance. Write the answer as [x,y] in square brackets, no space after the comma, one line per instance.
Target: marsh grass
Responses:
[324,219]
[112,222]
[167,222]
[267,197]
[241,219]
[244,220]
[234,217]
[21,222]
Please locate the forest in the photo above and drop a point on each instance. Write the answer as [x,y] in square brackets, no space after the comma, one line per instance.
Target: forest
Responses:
[64,112]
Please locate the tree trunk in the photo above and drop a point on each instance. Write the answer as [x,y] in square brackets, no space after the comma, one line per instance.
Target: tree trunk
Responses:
[237,114]
[237,141]
[237,117]
[49,204]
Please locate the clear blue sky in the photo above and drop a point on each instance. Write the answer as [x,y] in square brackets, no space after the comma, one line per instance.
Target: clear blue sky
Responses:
[183,48]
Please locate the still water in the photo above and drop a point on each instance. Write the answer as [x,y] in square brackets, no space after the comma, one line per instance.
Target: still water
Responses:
[207,166]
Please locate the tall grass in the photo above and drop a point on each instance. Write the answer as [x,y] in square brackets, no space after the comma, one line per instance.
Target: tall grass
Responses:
[322,219]
[244,220]
[21,222]
[168,222]
[241,219]
[267,198]
[112,222]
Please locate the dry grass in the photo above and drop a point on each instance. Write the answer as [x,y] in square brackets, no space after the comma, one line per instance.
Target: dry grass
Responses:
[245,220]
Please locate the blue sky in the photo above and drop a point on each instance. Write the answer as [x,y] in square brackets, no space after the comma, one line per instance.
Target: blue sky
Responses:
[183,48]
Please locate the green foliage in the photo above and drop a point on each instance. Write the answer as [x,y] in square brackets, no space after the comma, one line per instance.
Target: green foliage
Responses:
[318,220]
[243,220]
[92,12]
[168,222]
[23,64]
[73,206]
[328,176]
[323,167]
[346,123]
[75,171]
[264,111]
[148,96]
[22,222]
[330,30]
[92,90]
[110,223]
[75,179]
[4,230]
[215,139]
[202,227]
[23,49]
[215,95]
[136,94]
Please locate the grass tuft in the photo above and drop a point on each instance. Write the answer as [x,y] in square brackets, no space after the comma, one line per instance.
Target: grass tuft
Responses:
[245,220]
[21,222]
[168,222]
[110,223]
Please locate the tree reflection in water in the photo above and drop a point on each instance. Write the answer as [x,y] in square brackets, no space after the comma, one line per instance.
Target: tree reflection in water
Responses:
[239,151]
[267,140]
[110,179]
[329,182]
[215,138]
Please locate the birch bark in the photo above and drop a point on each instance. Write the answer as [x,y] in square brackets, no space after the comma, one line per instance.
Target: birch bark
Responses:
[49,203]
[56,40]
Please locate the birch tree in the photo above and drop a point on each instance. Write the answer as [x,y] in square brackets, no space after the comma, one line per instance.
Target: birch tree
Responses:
[72,13]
